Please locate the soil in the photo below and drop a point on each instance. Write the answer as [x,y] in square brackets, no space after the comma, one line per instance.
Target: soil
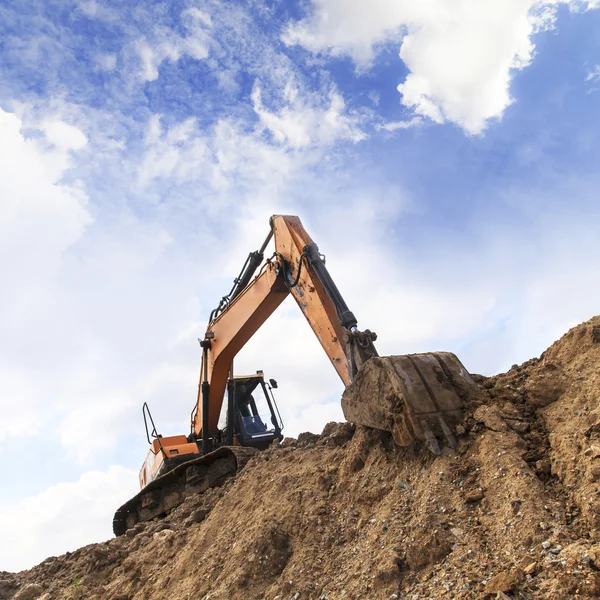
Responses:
[513,513]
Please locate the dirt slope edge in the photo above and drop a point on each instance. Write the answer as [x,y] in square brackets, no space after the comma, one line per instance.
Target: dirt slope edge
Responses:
[513,514]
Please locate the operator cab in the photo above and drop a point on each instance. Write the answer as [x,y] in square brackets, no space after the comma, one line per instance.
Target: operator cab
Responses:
[256,419]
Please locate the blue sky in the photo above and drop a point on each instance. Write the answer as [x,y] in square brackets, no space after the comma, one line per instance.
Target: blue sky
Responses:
[443,155]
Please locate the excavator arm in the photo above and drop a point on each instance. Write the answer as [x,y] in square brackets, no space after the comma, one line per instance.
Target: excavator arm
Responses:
[298,268]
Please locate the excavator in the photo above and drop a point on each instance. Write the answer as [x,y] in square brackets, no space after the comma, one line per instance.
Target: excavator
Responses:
[416,397]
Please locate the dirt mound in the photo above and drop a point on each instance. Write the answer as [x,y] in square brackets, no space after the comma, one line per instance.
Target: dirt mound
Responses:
[514,513]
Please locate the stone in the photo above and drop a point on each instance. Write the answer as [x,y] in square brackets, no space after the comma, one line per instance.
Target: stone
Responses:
[474,495]
[31,591]
[592,584]
[162,535]
[490,417]
[501,582]
[518,426]
[199,515]
[337,434]
[530,568]
[307,437]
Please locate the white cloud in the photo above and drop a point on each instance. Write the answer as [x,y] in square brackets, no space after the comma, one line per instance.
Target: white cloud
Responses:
[180,153]
[106,62]
[231,153]
[18,403]
[594,75]
[94,10]
[63,135]
[165,44]
[73,292]
[63,517]
[300,124]
[198,15]
[39,221]
[152,56]
[461,54]
[111,418]
[398,125]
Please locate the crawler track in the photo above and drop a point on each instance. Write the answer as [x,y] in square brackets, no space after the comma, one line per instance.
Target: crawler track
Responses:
[171,489]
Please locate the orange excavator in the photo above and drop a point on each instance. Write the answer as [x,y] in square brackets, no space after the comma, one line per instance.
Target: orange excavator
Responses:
[417,397]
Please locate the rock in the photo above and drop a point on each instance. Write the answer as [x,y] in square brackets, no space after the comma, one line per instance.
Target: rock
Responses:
[474,495]
[490,417]
[556,549]
[31,591]
[199,515]
[356,464]
[518,426]
[543,466]
[457,531]
[593,451]
[502,582]
[542,392]
[337,434]
[307,437]
[460,430]
[546,545]
[163,535]
[594,557]
[531,568]
[591,584]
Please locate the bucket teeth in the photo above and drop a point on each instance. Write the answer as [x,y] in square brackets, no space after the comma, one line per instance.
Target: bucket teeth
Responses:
[448,433]
[432,441]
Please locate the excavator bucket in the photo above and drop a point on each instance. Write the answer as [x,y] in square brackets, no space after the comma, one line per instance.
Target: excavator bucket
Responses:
[414,396]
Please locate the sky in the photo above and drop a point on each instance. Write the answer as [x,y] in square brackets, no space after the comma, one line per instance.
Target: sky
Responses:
[443,154]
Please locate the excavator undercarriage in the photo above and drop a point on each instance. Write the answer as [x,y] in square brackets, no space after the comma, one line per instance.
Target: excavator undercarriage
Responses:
[169,490]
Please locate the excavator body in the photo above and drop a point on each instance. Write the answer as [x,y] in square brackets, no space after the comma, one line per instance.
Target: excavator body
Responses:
[416,397]
[256,424]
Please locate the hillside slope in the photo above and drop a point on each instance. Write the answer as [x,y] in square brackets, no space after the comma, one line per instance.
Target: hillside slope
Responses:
[513,514]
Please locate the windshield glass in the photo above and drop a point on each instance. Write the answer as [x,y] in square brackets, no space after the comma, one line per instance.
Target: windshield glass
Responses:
[254,408]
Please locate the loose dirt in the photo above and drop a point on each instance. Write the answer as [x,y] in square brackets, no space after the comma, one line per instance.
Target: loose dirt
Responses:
[514,513]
